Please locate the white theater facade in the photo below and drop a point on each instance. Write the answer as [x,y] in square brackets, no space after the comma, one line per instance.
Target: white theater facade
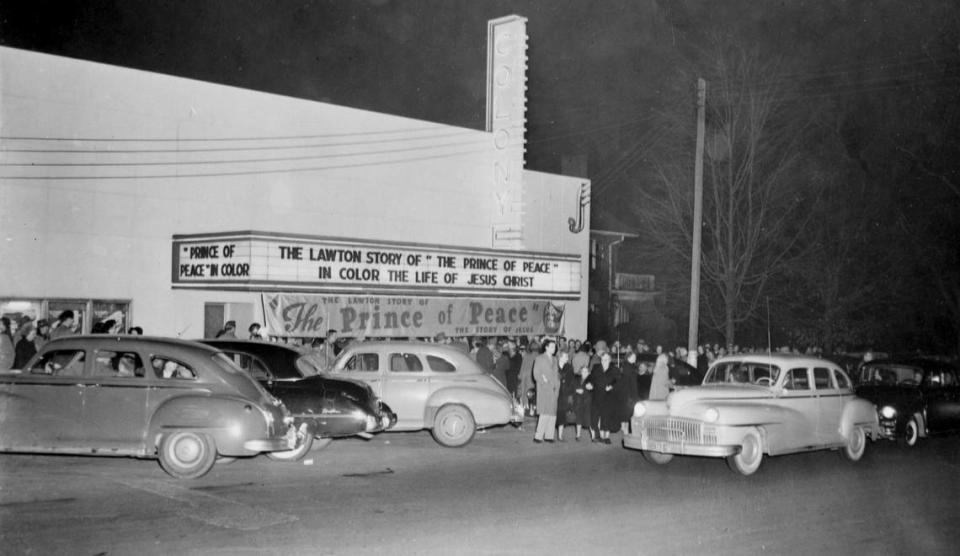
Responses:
[177,205]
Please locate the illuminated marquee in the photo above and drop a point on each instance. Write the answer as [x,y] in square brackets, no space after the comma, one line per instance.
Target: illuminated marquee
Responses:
[265,261]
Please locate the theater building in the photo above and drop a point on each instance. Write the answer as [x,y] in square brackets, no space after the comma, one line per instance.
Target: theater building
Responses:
[177,205]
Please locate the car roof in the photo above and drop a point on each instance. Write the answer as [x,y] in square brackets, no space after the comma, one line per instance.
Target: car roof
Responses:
[920,362]
[450,352]
[779,359]
[128,342]
[251,345]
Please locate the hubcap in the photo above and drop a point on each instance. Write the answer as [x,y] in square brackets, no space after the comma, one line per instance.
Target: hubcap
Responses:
[453,426]
[187,450]
[748,452]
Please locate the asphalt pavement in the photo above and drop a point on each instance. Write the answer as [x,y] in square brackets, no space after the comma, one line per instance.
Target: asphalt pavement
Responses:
[502,494]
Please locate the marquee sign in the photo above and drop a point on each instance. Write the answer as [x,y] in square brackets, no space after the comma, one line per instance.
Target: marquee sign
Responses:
[264,261]
[311,315]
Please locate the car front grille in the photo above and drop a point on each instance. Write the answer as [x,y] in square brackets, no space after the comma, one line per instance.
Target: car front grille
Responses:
[678,429]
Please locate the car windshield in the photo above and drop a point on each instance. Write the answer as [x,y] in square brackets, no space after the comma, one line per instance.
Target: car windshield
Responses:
[742,372]
[892,375]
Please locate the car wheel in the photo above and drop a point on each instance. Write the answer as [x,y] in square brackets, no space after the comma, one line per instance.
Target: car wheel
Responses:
[454,426]
[658,458]
[304,444]
[187,454]
[911,433]
[750,456]
[856,444]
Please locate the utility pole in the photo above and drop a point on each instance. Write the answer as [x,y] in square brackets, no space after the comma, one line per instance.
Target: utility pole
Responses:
[692,333]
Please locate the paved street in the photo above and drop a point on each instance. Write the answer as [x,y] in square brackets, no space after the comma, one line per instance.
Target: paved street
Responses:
[402,493]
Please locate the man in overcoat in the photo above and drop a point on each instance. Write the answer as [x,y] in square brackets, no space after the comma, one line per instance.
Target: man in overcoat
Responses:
[547,375]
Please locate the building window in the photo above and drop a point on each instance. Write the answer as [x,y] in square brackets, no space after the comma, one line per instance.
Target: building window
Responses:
[86,312]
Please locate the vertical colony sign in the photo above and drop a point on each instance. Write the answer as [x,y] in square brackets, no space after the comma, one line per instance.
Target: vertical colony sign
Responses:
[506,121]
[265,261]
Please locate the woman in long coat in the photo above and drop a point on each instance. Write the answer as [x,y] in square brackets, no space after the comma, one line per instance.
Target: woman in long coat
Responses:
[547,375]
[627,394]
[605,412]
[565,404]
[583,401]
[526,376]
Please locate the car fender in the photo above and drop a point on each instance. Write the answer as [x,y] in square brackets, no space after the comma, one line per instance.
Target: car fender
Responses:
[860,413]
[488,407]
[228,420]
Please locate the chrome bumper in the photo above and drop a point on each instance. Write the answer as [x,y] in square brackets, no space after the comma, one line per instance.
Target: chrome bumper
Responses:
[638,442]
[285,442]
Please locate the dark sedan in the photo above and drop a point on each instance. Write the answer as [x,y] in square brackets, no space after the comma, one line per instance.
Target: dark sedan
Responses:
[914,397]
[322,406]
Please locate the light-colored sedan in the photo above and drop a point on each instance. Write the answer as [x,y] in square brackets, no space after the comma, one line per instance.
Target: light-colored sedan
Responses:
[430,386]
[751,405]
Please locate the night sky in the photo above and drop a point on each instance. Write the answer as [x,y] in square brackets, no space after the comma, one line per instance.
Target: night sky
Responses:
[597,70]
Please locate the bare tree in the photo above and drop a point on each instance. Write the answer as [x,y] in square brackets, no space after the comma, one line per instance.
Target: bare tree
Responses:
[753,188]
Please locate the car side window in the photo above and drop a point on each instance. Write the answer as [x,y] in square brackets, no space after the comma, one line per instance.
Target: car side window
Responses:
[363,362]
[167,368]
[440,365]
[66,362]
[797,379]
[118,364]
[821,378]
[949,377]
[843,382]
[405,363]
[250,364]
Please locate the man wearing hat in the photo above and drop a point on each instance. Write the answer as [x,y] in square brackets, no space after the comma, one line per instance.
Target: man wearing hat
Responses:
[65,323]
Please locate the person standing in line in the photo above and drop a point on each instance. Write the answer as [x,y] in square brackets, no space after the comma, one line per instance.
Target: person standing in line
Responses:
[135,331]
[65,323]
[565,404]
[526,376]
[7,350]
[25,348]
[254,331]
[602,381]
[582,398]
[660,381]
[484,356]
[43,334]
[513,370]
[627,389]
[326,354]
[502,367]
[547,376]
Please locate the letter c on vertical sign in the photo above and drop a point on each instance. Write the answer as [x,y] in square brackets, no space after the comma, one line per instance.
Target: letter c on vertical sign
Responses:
[502,44]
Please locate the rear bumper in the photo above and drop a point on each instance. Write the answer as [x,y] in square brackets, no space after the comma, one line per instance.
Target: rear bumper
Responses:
[638,442]
[285,442]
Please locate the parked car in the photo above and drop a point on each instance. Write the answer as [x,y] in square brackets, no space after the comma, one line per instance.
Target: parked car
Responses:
[430,386]
[915,398]
[322,406]
[181,402]
[751,405]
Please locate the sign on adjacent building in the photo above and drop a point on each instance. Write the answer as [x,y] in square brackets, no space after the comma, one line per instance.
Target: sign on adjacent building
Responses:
[264,261]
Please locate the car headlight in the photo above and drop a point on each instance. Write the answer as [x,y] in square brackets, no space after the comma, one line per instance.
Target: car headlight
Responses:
[639,410]
[888,412]
[711,415]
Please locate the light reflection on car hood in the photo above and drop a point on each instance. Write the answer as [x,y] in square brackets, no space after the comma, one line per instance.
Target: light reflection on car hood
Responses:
[684,396]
